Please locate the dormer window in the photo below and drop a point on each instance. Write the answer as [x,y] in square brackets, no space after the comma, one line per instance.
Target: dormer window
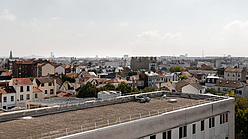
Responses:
[227,74]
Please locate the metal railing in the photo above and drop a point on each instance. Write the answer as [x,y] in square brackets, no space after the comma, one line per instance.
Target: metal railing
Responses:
[118,120]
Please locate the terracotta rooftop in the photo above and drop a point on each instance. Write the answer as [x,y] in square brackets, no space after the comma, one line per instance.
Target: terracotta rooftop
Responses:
[75,75]
[25,62]
[36,90]
[22,81]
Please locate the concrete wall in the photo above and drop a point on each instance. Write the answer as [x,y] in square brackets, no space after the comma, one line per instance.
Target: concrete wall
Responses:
[156,124]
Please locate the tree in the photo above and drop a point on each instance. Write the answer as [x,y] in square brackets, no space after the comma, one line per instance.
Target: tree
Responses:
[211,90]
[164,88]
[148,89]
[181,77]
[108,86]
[229,93]
[135,90]
[220,71]
[124,88]
[241,116]
[176,69]
[87,90]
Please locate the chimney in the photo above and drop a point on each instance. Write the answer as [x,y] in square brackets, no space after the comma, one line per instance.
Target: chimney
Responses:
[16,82]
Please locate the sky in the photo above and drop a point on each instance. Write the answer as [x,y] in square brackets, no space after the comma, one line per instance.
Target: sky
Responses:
[86,28]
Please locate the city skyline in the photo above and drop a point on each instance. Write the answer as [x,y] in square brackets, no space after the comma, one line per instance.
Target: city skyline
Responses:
[114,28]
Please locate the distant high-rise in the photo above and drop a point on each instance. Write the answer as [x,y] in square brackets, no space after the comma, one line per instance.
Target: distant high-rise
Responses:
[10,55]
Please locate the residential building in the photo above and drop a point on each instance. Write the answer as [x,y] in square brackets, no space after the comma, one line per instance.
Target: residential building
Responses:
[142,62]
[238,87]
[46,85]
[44,69]
[7,97]
[23,69]
[37,94]
[193,88]
[24,90]
[150,79]
[211,81]
[60,69]
[235,74]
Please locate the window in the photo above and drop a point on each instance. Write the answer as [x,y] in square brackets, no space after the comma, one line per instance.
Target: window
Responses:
[36,95]
[42,84]
[167,134]
[12,98]
[4,99]
[211,122]
[21,89]
[153,137]
[51,91]
[218,89]
[28,88]
[21,97]
[50,84]
[28,96]
[182,132]
[226,117]
[45,91]
[202,125]
[193,128]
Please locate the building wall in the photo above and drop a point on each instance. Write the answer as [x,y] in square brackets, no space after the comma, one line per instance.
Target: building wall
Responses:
[47,88]
[18,94]
[39,96]
[47,69]
[60,70]
[171,120]
[9,103]
[141,62]
[190,89]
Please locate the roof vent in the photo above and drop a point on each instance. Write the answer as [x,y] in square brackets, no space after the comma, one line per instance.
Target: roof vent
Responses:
[227,82]
[220,81]
[234,82]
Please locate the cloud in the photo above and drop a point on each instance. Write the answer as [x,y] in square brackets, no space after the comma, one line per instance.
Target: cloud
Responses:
[6,15]
[236,24]
[157,35]
[123,24]
[92,22]
[55,18]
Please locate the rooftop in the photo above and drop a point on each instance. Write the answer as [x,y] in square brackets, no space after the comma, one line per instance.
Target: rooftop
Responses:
[96,117]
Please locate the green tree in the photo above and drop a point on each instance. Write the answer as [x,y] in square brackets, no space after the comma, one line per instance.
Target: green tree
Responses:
[176,69]
[148,89]
[87,90]
[220,71]
[241,116]
[181,77]
[135,90]
[211,90]
[229,93]
[124,88]
[108,86]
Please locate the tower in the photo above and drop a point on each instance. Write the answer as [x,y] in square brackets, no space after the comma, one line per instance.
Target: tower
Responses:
[10,55]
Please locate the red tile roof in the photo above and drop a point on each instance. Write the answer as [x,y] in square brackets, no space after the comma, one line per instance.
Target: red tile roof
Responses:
[75,75]
[22,81]
[36,90]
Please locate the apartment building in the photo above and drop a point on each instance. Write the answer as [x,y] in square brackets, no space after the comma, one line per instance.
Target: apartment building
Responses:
[24,90]
[235,74]
[46,85]
[7,97]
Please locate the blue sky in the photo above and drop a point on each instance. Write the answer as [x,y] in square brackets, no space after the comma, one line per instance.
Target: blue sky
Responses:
[85,28]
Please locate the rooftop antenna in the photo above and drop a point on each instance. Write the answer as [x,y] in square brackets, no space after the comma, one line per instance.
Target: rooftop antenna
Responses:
[202,53]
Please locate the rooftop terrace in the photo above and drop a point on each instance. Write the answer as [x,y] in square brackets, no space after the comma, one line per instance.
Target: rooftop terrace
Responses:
[61,124]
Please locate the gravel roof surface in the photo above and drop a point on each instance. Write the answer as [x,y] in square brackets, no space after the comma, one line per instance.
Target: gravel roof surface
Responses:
[44,124]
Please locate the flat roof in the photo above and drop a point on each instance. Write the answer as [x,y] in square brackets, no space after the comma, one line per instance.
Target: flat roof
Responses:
[61,100]
[57,123]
